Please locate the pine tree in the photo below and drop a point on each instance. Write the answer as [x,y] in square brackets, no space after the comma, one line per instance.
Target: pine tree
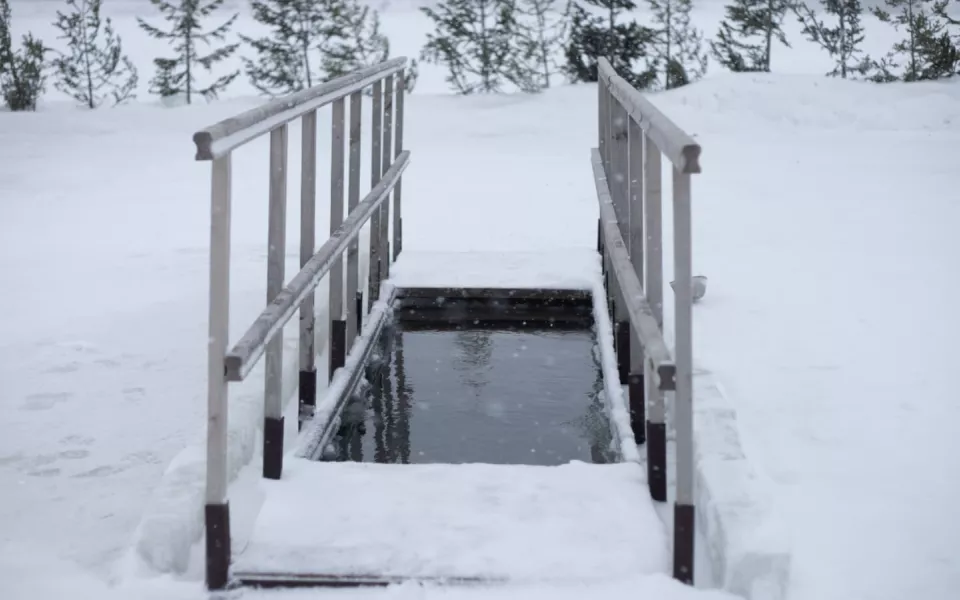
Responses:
[477,41]
[359,42]
[623,44]
[22,78]
[285,61]
[95,68]
[543,29]
[677,51]
[745,40]
[842,40]
[928,50]
[178,75]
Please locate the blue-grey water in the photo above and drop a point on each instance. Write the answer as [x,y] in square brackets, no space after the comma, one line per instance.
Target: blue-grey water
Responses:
[491,396]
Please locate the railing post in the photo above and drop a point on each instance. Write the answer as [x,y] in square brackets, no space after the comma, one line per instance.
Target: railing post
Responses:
[338,327]
[618,182]
[354,292]
[385,163]
[376,136]
[217,509]
[307,388]
[276,255]
[636,391]
[653,259]
[683,510]
[602,148]
[397,218]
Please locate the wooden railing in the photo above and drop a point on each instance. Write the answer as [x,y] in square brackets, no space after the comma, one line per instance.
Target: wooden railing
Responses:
[633,136]
[264,336]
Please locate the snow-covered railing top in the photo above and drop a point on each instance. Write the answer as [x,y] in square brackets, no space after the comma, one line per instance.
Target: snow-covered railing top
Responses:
[673,142]
[216,140]
[633,137]
[348,215]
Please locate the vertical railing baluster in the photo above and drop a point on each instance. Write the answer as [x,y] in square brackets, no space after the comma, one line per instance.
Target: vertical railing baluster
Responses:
[653,266]
[307,389]
[611,103]
[276,255]
[338,327]
[217,509]
[602,147]
[636,391]
[397,218]
[376,136]
[683,510]
[618,182]
[354,291]
[385,163]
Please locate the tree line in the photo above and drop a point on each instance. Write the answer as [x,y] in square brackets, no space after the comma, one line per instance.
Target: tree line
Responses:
[309,42]
[484,45]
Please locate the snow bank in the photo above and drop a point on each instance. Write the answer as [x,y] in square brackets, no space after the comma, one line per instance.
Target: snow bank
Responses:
[825,211]
[172,521]
[814,103]
[747,540]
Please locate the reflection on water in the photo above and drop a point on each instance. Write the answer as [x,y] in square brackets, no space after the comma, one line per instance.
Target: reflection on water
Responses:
[479,395]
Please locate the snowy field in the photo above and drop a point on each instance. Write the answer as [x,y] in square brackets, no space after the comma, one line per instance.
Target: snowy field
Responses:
[825,218]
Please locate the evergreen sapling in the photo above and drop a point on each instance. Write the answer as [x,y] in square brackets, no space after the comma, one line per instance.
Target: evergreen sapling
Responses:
[744,42]
[677,49]
[94,68]
[623,44]
[285,61]
[478,43]
[186,34]
[927,50]
[22,76]
[543,29]
[842,40]
[359,43]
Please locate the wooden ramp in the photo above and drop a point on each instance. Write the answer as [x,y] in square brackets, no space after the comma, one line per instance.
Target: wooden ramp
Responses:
[369,524]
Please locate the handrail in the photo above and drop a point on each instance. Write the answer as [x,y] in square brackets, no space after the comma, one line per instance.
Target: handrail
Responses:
[672,141]
[246,352]
[642,320]
[216,140]
[338,257]
[633,137]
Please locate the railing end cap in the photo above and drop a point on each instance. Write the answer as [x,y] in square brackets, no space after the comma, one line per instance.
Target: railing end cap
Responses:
[691,159]
[204,142]
[233,367]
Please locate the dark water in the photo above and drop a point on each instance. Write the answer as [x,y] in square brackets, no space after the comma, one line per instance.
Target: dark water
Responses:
[479,395]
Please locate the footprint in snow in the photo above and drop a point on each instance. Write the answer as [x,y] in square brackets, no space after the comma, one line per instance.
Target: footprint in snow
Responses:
[44,401]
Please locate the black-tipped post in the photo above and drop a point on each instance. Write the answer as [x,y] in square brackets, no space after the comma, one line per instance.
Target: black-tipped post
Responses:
[638,407]
[623,351]
[217,522]
[338,345]
[359,312]
[308,394]
[272,447]
[684,521]
[657,460]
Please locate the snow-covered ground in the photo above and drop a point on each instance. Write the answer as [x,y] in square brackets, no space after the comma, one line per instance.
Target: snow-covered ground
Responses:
[825,219]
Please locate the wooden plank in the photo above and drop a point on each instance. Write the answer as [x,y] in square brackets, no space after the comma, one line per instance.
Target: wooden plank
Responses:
[299,580]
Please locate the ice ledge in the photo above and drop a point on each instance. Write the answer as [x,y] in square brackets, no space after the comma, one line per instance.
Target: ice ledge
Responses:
[747,539]
[555,269]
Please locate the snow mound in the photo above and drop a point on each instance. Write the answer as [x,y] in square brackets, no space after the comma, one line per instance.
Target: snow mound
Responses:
[811,101]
